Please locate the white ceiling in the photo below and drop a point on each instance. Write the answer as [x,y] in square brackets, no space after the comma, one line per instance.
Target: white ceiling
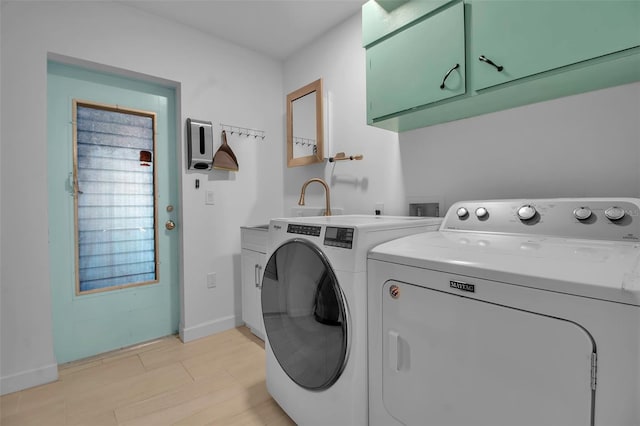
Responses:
[276,28]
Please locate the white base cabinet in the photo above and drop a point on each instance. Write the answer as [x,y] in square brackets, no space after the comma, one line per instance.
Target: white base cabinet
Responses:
[253,261]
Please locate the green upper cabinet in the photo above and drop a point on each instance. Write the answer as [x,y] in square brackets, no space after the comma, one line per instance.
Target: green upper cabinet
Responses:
[422,64]
[528,37]
[531,50]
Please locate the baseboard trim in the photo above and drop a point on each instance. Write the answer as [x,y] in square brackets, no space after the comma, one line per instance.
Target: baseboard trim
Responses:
[208,328]
[27,379]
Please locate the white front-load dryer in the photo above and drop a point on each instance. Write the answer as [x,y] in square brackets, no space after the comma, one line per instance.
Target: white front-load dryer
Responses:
[314,306]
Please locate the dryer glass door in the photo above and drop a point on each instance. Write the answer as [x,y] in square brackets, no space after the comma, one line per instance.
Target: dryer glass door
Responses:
[305,315]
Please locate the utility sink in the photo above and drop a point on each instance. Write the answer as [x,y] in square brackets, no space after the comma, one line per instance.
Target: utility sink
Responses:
[264,227]
[254,237]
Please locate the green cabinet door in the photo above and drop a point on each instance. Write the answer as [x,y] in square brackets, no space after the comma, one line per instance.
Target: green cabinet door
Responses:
[406,70]
[528,37]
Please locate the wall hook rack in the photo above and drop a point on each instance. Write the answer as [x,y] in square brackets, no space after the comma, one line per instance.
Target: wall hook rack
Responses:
[304,141]
[341,156]
[243,131]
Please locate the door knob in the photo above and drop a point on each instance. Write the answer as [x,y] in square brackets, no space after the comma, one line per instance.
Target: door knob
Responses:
[170,225]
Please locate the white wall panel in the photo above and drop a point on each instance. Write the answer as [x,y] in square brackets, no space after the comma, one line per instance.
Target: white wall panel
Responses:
[586,145]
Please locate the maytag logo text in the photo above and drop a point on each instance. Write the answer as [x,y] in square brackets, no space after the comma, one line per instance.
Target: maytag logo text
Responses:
[462,286]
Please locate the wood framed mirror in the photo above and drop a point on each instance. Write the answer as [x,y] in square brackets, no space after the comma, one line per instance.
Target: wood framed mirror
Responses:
[305,125]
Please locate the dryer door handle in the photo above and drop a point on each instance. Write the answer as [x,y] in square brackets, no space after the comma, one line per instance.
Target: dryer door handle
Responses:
[395,357]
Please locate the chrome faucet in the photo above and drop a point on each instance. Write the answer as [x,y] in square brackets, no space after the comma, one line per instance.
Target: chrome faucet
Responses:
[327,211]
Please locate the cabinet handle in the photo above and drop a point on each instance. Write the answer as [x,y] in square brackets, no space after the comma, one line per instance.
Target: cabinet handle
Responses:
[256,275]
[448,74]
[257,271]
[490,62]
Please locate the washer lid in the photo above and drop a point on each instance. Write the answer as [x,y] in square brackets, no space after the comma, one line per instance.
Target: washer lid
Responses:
[592,268]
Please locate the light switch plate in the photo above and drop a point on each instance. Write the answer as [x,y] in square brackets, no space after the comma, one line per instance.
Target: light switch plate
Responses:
[210,199]
[211,280]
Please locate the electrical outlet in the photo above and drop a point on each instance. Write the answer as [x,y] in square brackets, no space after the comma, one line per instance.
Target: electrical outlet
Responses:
[210,199]
[379,208]
[211,280]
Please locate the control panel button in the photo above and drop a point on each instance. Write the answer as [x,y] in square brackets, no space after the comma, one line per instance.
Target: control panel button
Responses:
[462,212]
[614,213]
[481,212]
[582,213]
[310,230]
[526,212]
[338,237]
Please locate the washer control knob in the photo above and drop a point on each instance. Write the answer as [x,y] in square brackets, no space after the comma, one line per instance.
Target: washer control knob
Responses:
[614,213]
[582,213]
[462,212]
[481,212]
[526,212]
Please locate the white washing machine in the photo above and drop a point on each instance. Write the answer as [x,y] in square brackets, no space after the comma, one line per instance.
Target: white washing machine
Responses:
[314,306]
[515,313]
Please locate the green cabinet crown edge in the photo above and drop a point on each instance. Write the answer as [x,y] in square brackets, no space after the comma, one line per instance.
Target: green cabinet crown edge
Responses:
[381,18]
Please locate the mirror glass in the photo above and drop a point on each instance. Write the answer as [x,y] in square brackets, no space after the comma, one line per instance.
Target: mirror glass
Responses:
[305,139]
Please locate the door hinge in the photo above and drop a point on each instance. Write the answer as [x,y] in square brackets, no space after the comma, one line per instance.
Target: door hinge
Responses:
[594,370]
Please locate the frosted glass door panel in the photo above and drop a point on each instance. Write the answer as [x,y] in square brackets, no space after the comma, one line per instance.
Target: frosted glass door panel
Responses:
[115,198]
